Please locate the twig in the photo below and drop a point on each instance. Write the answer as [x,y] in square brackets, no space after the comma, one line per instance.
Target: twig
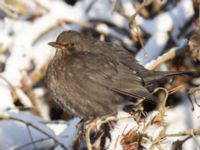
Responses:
[36,141]
[13,90]
[8,10]
[18,93]
[196,141]
[116,142]
[185,133]
[191,93]
[114,6]
[161,108]
[162,111]
[33,142]
[190,132]
[90,6]
[31,137]
[96,122]
[167,56]
[6,117]
[133,23]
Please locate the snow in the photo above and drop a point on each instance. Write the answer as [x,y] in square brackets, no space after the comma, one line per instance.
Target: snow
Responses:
[23,47]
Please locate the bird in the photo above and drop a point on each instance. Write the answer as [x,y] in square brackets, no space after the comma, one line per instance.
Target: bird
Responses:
[92,78]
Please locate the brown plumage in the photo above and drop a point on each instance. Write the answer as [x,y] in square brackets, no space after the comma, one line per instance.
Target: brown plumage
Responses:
[94,78]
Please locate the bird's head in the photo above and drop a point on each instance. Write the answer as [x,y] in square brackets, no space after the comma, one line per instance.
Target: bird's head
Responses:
[69,41]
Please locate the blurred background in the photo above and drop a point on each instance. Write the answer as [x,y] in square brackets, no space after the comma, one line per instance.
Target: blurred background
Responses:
[163,35]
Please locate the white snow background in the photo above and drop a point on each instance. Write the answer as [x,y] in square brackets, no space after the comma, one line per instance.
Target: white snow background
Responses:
[24,42]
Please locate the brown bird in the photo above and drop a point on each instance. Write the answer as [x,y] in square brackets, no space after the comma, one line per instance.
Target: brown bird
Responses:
[95,78]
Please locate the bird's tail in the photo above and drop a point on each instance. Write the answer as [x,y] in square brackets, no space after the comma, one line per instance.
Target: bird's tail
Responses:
[159,75]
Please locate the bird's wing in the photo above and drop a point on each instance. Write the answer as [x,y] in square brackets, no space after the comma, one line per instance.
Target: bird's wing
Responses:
[105,71]
[127,59]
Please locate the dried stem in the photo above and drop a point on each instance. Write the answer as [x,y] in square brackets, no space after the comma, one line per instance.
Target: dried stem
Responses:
[97,122]
[166,56]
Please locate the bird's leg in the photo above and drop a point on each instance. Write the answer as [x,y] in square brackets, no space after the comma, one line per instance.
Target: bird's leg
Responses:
[87,126]
[140,109]
[90,124]
[83,126]
[77,141]
[139,102]
[80,135]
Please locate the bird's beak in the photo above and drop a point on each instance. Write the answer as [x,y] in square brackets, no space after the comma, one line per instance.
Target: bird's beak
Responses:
[55,44]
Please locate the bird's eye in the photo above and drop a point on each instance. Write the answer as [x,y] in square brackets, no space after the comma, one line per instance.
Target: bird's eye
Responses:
[72,44]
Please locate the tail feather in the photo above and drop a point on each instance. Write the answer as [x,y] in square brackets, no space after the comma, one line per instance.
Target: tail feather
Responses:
[159,75]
